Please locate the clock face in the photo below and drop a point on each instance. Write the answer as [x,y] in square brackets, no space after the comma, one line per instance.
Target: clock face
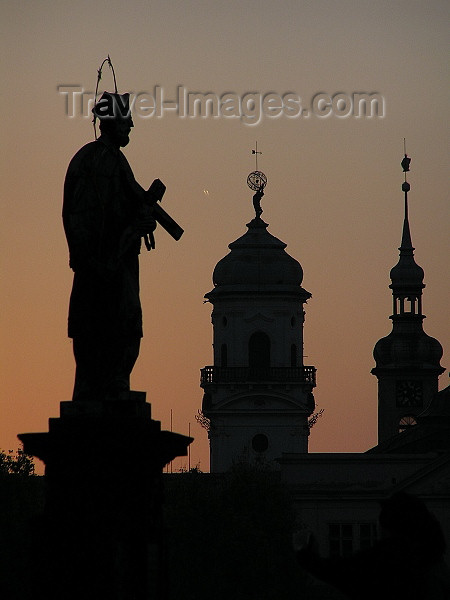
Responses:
[409,393]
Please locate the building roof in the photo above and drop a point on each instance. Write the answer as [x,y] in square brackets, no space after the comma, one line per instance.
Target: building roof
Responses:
[258,258]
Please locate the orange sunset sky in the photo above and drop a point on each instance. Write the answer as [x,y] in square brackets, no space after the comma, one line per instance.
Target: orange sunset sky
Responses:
[334,191]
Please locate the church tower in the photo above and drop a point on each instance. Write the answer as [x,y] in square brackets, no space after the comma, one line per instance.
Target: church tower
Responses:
[407,360]
[257,394]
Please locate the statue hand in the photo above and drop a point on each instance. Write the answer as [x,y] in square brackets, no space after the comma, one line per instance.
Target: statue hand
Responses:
[146,224]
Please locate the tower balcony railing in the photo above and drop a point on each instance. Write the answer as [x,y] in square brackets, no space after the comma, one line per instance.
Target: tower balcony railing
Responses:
[212,375]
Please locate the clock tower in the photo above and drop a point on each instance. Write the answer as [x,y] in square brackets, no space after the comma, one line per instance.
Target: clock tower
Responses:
[407,360]
[258,393]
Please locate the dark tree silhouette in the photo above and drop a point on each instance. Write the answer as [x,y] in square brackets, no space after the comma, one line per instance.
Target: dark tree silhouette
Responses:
[16,463]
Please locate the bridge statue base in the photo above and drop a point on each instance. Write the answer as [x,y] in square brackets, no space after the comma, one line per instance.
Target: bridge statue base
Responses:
[102,534]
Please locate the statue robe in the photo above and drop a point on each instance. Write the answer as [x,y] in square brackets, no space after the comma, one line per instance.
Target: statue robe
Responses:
[102,202]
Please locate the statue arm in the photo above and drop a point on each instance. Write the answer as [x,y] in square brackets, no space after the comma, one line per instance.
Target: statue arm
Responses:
[134,190]
[144,223]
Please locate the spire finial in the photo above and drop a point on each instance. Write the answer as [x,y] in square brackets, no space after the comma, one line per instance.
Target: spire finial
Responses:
[406,237]
[405,185]
[255,152]
[257,181]
[405,166]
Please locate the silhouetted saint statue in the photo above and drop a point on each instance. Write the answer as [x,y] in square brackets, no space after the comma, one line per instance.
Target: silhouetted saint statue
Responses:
[105,214]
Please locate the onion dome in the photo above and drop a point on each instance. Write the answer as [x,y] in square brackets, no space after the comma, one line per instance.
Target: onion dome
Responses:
[408,349]
[258,259]
[406,272]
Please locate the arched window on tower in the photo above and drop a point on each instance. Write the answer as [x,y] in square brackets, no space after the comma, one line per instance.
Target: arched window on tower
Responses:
[259,350]
[260,443]
[224,355]
[406,422]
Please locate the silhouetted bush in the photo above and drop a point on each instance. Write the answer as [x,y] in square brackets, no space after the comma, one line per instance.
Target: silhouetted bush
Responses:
[16,463]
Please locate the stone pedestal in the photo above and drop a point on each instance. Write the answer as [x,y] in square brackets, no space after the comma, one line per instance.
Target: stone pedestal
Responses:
[102,532]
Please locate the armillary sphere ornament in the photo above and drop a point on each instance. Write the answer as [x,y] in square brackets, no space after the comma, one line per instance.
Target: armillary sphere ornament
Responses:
[256,180]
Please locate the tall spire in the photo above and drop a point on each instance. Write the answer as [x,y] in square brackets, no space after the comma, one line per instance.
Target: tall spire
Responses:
[407,360]
[406,276]
[406,236]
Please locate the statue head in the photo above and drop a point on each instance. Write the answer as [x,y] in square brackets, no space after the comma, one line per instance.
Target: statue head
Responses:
[114,113]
